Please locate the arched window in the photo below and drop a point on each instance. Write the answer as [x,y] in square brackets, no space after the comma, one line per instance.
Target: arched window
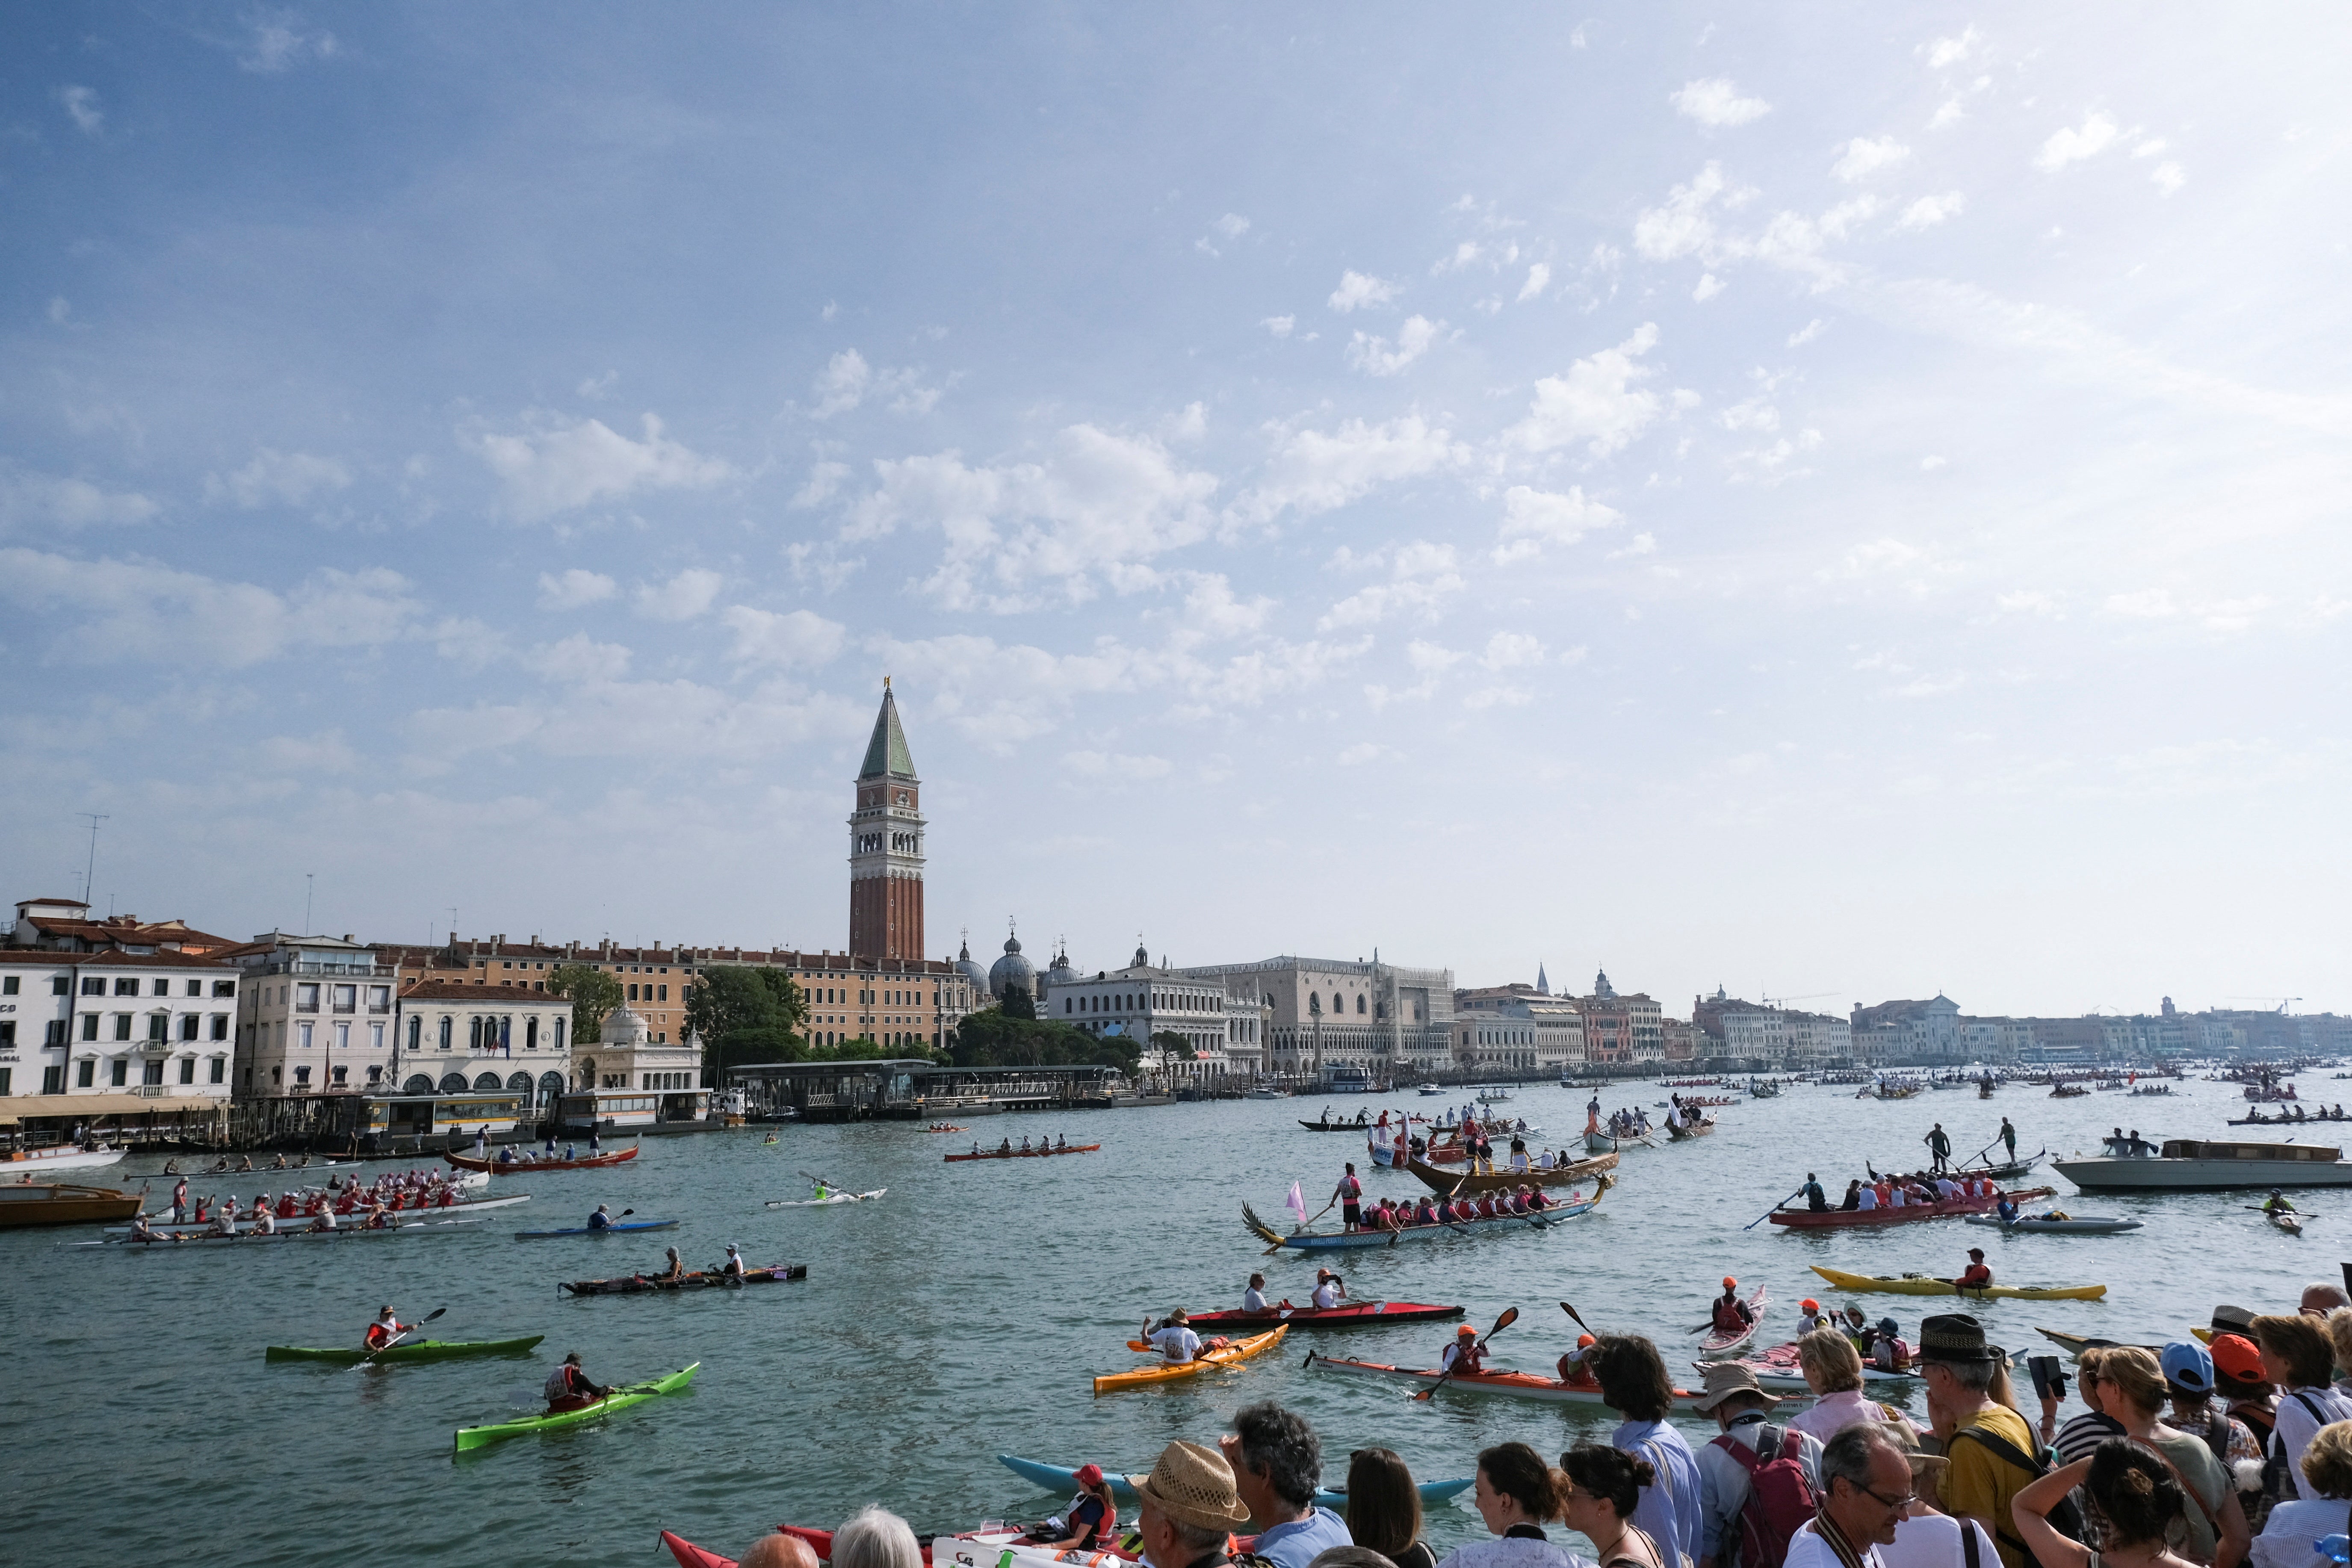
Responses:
[487,1084]
[520,1084]
[1359,1005]
[447,1023]
[551,1084]
[416,1032]
[453,1083]
[416,1083]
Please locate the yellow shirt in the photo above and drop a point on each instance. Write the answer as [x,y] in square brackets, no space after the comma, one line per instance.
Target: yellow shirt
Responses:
[1978,1481]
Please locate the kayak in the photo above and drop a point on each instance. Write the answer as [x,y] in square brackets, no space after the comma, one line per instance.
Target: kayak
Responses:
[1779,1370]
[1145,1376]
[615,1229]
[528,1167]
[2073,1224]
[1719,1345]
[1354,1315]
[1063,1480]
[2076,1344]
[1024,1153]
[826,1201]
[1514,1384]
[2286,1220]
[1845,1220]
[1926,1285]
[633,1284]
[471,1438]
[412,1350]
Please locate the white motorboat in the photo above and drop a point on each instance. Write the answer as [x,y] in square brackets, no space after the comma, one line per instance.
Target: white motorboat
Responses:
[2192,1164]
[62,1157]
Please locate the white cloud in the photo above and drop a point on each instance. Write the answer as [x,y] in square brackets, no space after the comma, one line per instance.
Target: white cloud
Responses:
[1683,224]
[1931,462]
[286,479]
[597,386]
[35,498]
[795,640]
[1373,355]
[1465,253]
[1715,101]
[137,610]
[2167,177]
[1359,289]
[80,103]
[1755,414]
[1533,519]
[1867,155]
[1929,211]
[825,478]
[1210,610]
[279,42]
[1314,472]
[1280,326]
[576,589]
[1420,575]
[1596,401]
[1807,332]
[1431,659]
[1116,765]
[1640,544]
[1945,52]
[841,386]
[1539,279]
[552,467]
[2074,144]
[1228,228]
[1948,113]
[1512,650]
[1709,286]
[2029,602]
[580,660]
[682,598]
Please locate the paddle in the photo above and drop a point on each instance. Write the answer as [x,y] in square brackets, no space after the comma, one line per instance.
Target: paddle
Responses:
[397,1338]
[1768,1214]
[1581,1323]
[2299,1214]
[1510,1315]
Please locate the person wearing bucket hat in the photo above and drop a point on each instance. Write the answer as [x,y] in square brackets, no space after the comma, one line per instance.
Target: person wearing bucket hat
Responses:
[1728,1463]
[1992,1447]
[1888,1352]
[1190,1507]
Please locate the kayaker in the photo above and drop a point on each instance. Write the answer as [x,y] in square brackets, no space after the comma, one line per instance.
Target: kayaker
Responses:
[1976,1275]
[2278,1203]
[384,1329]
[1887,1351]
[1816,1199]
[1810,1317]
[2006,1210]
[1174,1339]
[1350,1195]
[1092,1522]
[1253,1298]
[568,1387]
[675,1268]
[601,1219]
[1466,1357]
[1575,1368]
[1728,1313]
[733,1267]
[1330,1289]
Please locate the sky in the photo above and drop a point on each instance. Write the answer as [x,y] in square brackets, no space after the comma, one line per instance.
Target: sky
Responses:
[1838,502]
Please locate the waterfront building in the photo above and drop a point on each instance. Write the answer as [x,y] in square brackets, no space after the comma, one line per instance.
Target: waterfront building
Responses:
[1781,1039]
[1144,1001]
[1922,1033]
[64,925]
[115,1038]
[630,1079]
[886,844]
[1621,1028]
[1375,1020]
[314,1015]
[453,1038]
[1516,1029]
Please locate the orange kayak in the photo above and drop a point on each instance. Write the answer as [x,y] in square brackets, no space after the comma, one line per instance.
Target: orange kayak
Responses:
[1144,1376]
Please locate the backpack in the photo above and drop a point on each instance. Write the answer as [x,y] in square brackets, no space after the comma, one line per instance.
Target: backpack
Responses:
[2275,1490]
[2065,1518]
[1779,1498]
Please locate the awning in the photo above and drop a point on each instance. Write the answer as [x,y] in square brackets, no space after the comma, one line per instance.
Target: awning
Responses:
[17,1108]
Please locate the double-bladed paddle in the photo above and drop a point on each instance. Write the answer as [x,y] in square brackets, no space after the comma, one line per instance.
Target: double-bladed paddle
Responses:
[1510,1315]
[397,1338]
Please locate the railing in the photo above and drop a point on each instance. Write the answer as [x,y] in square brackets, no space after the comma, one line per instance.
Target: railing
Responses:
[294,966]
[378,1007]
[306,1006]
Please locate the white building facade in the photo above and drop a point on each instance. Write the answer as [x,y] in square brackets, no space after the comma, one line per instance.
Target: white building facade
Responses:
[1380,1020]
[1145,1000]
[452,1038]
[114,1030]
[314,1016]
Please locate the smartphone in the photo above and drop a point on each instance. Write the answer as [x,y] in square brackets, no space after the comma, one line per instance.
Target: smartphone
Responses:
[2049,1378]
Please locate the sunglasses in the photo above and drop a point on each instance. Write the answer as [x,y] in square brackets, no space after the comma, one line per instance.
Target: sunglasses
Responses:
[1897,1504]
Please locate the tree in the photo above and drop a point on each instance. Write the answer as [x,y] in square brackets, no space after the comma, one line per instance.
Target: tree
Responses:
[1017,1002]
[746,1015]
[594,994]
[996,1038]
[1174,1043]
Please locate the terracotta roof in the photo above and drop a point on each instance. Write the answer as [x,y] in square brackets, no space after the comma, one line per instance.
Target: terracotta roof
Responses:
[125,928]
[461,991]
[57,958]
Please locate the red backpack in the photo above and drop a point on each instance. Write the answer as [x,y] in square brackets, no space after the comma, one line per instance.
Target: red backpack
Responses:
[1780,1499]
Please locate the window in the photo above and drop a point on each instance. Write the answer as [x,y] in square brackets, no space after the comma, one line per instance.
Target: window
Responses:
[302,1077]
[342,1037]
[375,1036]
[161,988]
[340,1072]
[5,1076]
[195,987]
[530,1033]
[379,998]
[448,1026]
[416,1032]
[1360,1003]
[55,1035]
[53,1079]
[151,1073]
[61,985]
[303,1034]
[8,985]
[220,1070]
[91,986]
[347,999]
[665,993]
[306,998]
[7,1032]
[123,987]
[220,1026]
[224,987]
[632,992]
[123,1026]
[190,1026]
[119,1072]
[558,1033]
[187,1069]
[89,1025]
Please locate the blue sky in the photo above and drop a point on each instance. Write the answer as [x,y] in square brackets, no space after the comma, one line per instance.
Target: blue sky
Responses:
[1844,502]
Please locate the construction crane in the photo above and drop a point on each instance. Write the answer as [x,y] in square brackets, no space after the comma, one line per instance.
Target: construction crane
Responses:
[2284,1003]
[1784,1001]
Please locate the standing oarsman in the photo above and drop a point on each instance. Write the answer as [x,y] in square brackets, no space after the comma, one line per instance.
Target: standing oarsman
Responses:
[180,1200]
[2009,1137]
[1940,1144]
[1350,1195]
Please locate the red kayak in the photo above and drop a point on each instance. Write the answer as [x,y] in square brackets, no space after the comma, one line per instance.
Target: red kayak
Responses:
[1354,1315]
[1837,1219]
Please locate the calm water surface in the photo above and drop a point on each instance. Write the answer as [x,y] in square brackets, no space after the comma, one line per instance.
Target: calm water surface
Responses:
[959,1318]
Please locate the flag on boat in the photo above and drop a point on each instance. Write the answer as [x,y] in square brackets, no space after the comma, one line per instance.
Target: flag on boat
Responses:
[1297,1204]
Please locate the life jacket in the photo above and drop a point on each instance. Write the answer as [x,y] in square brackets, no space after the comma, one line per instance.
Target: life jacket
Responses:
[1976,1275]
[1779,1498]
[1731,1314]
[381,1334]
[561,1383]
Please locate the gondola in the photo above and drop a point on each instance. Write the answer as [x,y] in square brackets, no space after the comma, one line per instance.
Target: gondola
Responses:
[532,1167]
[1438,1180]
[1684,1134]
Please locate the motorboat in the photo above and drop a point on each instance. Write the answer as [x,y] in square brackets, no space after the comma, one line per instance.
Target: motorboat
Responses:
[2193,1164]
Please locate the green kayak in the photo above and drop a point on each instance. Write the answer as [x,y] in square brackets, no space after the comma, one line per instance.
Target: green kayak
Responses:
[414,1350]
[471,1437]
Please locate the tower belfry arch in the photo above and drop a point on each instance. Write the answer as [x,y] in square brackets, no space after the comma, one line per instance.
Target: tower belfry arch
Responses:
[886,844]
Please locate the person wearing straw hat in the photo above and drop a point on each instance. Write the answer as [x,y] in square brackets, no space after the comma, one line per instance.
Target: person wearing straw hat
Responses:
[1190,1508]
[1728,1464]
[1968,1388]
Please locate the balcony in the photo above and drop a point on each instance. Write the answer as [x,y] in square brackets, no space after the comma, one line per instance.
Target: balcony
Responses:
[362,969]
[379,1009]
[306,1006]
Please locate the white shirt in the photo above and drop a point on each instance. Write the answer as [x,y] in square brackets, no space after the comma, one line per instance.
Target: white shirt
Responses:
[2296,1427]
[1868,1198]
[1327,1294]
[1933,1541]
[1253,1300]
[1833,1413]
[1178,1345]
[2285,1541]
[1808,1549]
[1516,1552]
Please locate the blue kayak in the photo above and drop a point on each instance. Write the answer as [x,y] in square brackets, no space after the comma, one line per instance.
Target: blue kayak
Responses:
[614,1228]
[1062,1478]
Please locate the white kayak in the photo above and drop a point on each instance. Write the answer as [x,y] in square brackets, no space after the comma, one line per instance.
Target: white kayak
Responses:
[2073,1224]
[827,1201]
[1778,1371]
[1726,1346]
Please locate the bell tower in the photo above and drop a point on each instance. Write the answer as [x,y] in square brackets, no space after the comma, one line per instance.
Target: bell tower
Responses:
[886,846]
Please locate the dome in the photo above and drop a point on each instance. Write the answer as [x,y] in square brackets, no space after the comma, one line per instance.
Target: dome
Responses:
[1011,970]
[968,967]
[624,1028]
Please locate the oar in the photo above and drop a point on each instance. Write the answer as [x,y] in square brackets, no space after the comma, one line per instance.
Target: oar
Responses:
[397,1338]
[2299,1214]
[1581,1323]
[1510,1315]
[1768,1214]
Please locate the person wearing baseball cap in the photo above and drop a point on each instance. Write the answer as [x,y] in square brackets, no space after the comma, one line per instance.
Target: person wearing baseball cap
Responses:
[1976,1275]
[1810,1317]
[1190,1508]
[1092,1524]
[1991,1446]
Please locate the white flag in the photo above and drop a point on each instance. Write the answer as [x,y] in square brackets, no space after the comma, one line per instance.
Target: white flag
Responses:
[1297,1203]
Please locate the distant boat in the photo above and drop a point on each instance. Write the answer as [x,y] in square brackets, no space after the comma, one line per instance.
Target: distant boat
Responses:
[2190,1164]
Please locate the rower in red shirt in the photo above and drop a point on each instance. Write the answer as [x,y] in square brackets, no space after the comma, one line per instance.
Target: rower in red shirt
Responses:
[384,1329]
[1976,1275]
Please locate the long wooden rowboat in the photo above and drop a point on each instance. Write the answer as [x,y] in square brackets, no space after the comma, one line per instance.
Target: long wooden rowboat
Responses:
[640,1284]
[533,1167]
[1510,1384]
[1334,1126]
[1438,1180]
[2007,1170]
[1330,1241]
[413,1350]
[62,1203]
[163,1243]
[1145,1376]
[1024,1153]
[1063,1480]
[1927,1284]
[1841,1219]
[471,1438]
[351,1221]
[1684,1134]
[1354,1315]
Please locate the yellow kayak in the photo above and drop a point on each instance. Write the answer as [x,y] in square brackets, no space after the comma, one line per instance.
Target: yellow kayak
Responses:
[1239,1350]
[1923,1285]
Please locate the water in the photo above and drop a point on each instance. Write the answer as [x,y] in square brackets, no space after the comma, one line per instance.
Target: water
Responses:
[961,1318]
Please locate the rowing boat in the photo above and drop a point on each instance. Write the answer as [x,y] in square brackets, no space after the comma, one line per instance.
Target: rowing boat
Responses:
[26,1204]
[615,1229]
[1063,1479]
[830,1200]
[1144,1376]
[1927,1284]
[1506,1180]
[1512,1385]
[1029,1154]
[1334,1241]
[1675,1134]
[710,1279]
[1839,1219]
[1780,1371]
[2073,1224]
[532,1167]
[1600,1143]
[471,1438]
[2007,1170]
[1719,1345]
[351,1221]
[1334,1126]
[412,1350]
[1354,1315]
[163,1243]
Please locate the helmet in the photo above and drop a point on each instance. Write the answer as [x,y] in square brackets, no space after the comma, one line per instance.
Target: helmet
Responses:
[2278,1192]
[1465,1333]
[1809,1305]
[1729,1283]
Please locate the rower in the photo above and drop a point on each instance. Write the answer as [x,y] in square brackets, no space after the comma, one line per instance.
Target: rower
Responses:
[1816,1199]
[1350,1195]
[1976,1275]
[384,1329]
[507,1155]
[674,1267]
[1887,1351]
[2009,1137]
[140,1231]
[321,1222]
[2006,1210]
[1253,1298]
[568,1387]
[1466,1357]
[1728,1313]
[1175,1341]
[1024,1142]
[1329,1290]
[1006,1147]
[265,1223]
[601,1219]
[733,1267]
[571,1152]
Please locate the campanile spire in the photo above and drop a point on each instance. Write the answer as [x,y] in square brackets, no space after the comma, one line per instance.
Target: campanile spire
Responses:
[886,844]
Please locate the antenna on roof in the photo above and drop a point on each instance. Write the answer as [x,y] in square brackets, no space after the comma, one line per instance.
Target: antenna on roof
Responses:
[89,872]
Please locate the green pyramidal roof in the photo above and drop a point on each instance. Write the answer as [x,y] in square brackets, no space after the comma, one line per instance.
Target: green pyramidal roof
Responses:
[886,752]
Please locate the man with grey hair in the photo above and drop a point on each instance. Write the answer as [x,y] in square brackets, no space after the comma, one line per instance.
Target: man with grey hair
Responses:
[2320,1297]
[1277,1464]
[1992,1449]
[876,1538]
[1866,1490]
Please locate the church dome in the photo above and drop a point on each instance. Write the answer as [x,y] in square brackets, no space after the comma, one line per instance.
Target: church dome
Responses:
[1011,970]
[624,1028]
[968,967]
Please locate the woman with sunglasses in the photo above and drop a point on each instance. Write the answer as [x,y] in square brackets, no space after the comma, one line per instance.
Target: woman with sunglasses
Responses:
[1605,1486]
